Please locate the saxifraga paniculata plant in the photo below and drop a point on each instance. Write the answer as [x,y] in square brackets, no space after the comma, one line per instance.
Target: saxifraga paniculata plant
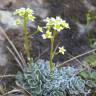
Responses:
[38,82]
[38,79]
[25,14]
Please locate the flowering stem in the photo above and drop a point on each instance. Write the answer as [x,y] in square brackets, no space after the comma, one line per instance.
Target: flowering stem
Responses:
[52,51]
[26,39]
[51,54]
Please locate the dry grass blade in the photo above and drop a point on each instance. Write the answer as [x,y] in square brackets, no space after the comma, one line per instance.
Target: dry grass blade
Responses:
[13,91]
[23,60]
[3,75]
[7,76]
[23,88]
[75,59]
[18,61]
[78,56]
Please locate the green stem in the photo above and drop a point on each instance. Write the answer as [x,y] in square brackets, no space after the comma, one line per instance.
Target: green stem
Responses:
[51,54]
[26,39]
[52,51]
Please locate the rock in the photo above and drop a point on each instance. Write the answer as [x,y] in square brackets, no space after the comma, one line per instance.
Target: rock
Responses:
[7,19]
[40,7]
[89,5]
[12,4]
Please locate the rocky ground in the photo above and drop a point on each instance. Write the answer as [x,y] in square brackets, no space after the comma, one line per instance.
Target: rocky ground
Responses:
[74,40]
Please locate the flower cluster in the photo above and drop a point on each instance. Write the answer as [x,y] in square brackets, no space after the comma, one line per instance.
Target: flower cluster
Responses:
[57,24]
[22,12]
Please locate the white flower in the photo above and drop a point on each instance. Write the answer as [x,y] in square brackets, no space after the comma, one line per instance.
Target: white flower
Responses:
[31,17]
[18,21]
[62,50]
[48,35]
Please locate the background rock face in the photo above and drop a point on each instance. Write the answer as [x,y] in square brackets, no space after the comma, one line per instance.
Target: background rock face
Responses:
[73,11]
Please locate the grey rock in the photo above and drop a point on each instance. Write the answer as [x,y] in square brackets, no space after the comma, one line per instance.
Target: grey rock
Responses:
[7,19]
